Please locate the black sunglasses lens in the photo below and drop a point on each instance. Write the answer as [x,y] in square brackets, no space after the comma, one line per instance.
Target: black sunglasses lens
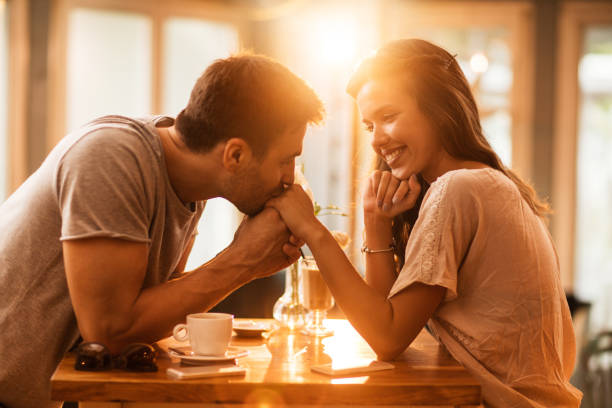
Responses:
[140,357]
[92,357]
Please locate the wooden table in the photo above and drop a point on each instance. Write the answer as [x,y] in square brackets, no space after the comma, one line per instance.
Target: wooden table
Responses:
[278,374]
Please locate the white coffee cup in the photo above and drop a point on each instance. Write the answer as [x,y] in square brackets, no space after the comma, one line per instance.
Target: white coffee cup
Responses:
[209,334]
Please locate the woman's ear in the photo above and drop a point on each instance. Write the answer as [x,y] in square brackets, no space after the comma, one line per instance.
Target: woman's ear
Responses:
[236,154]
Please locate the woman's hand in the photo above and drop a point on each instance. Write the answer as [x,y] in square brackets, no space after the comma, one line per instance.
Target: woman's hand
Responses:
[297,211]
[388,196]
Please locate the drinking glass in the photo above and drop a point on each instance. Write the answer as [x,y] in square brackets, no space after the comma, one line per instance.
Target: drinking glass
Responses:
[317,298]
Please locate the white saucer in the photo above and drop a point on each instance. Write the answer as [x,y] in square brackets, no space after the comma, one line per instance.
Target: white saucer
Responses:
[251,328]
[232,353]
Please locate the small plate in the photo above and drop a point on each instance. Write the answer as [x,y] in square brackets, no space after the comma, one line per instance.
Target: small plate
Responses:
[251,328]
[232,353]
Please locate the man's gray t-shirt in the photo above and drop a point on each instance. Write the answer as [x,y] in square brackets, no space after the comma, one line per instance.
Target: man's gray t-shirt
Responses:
[108,179]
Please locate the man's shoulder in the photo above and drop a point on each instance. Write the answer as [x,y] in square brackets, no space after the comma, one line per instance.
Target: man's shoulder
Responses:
[114,129]
[112,135]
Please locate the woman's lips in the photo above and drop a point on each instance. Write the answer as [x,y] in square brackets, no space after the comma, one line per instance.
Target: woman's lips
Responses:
[391,156]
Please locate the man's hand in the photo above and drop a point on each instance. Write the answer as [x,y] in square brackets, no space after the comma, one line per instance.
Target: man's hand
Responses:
[264,243]
[388,196]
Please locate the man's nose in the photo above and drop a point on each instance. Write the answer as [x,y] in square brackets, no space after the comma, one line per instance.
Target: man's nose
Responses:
[289,178]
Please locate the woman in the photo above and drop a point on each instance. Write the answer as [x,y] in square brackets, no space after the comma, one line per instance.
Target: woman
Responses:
[477,264]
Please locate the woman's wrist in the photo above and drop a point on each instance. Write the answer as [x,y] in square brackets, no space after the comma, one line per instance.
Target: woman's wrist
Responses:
[318,237]
[378,232]
[314,232]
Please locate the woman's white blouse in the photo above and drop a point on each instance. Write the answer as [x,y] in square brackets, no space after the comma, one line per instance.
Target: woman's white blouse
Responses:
[504,315]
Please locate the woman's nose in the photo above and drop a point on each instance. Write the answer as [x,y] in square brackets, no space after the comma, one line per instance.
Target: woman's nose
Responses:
[380,137]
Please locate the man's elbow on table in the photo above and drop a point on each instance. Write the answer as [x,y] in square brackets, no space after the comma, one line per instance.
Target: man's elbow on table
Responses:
[112,331]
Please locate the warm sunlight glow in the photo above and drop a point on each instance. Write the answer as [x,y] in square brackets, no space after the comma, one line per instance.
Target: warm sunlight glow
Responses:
[479,63]
[351,380]
[342,352]
[262,398]
[335,38]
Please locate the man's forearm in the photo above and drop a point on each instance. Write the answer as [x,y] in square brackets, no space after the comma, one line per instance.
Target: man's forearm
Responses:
[105,278]
[157,309]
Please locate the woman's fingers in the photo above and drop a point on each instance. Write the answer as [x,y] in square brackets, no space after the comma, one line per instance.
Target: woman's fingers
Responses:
[385,179]
[410,199]
[390,193]
[274,203]
[296,210]
[390,196]
[401,192]
[375,181]
[292,252]
[295,241]
[414,191]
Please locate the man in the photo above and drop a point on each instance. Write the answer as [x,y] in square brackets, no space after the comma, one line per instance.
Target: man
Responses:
[92,243]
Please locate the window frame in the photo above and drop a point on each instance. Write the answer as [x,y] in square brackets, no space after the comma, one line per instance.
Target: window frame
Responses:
[158,12]
[515,16]
[18,69]
[574,17]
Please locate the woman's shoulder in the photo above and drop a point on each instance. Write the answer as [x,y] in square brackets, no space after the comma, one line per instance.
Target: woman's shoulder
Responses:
[467,177]
[469,185]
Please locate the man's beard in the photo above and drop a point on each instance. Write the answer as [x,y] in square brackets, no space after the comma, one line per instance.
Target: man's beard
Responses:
[251,206]
[250,209]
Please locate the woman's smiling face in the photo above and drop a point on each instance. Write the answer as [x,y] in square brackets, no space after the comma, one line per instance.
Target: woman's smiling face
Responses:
[401,134]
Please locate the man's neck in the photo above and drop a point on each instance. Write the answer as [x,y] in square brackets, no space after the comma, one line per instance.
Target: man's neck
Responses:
[190,174]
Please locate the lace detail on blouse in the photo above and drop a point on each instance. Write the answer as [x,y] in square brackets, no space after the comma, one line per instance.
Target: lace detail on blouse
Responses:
[431,230]
[459,335]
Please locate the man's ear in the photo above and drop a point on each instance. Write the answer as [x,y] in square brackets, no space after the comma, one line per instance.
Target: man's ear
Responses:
[236,154]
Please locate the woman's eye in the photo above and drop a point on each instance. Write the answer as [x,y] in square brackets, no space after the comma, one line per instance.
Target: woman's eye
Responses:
[369,128]
[389,117]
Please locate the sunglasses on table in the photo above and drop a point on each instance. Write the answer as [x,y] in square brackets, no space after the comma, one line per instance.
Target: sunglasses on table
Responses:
[139,357]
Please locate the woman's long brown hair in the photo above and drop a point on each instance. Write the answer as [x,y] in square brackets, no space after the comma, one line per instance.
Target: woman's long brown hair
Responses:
[434,78]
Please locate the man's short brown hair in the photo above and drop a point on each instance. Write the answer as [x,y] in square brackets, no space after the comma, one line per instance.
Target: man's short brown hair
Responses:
[248,96]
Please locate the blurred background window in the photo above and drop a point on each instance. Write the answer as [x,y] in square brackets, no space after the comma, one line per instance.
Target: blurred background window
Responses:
[583,187]
[190,45]
[485,57]
[323,43]
[110,63]
[4,146]
[593,259]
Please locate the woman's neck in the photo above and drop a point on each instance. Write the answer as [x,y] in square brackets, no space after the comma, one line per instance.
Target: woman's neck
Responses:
[448,163]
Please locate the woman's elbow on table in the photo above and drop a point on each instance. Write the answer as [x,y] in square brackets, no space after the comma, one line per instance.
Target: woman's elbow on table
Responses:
[390,351]
[390,345]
